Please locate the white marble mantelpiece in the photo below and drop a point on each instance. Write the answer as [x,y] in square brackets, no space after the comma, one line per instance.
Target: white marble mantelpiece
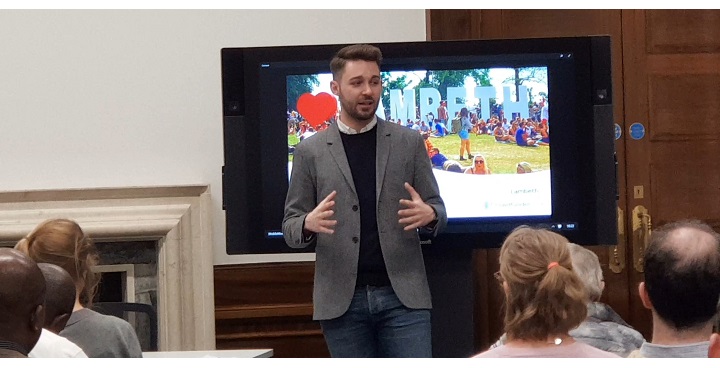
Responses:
[178,218]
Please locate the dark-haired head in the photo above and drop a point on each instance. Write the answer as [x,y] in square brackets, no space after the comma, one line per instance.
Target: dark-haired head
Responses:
[60,296]
[682,274]
[22,300]
[363,52]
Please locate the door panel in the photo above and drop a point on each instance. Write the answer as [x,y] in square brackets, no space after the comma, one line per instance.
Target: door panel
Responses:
[681,187]
[558,23]
[676,109]
[672,74]
[683,31]
[451,24]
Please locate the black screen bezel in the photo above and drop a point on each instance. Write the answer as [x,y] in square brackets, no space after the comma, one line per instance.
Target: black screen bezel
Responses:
[254,184]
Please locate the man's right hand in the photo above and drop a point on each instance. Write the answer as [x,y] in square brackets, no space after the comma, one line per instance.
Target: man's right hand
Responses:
[319,220]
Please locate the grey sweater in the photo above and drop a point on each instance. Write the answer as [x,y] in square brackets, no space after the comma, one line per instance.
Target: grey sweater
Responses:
[648,350]
[102,336]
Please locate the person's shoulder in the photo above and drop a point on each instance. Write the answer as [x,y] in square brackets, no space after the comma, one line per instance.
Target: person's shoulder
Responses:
[497,352]
[51,345]
[109,322]
[630,333]
[593,352]
[49,336]
[70,348]
[47,339]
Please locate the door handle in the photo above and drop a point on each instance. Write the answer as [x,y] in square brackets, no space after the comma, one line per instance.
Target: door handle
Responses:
[617,253]
[642,228]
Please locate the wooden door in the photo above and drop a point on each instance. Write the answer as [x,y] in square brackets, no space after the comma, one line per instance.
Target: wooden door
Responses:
[485,24]
[672,88]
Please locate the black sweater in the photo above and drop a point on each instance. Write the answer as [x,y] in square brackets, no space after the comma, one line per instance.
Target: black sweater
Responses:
[360,150]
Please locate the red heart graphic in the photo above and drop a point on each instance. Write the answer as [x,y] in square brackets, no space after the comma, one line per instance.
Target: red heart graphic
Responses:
[317,109]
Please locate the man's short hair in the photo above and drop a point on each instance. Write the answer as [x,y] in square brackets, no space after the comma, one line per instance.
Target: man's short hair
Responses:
[682,273]
[363,52]
[60,298]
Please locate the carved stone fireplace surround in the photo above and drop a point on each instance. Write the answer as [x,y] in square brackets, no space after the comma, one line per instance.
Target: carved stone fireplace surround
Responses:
[178,218]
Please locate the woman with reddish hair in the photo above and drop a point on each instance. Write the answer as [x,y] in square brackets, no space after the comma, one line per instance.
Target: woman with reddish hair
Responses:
[63,243]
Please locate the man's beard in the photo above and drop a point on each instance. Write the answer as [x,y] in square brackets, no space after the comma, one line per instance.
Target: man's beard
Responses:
[356,114]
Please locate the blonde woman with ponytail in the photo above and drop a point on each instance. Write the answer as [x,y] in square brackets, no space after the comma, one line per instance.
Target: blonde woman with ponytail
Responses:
[544,298]
[62,242]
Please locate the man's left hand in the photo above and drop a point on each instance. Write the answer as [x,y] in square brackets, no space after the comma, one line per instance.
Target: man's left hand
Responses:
[416,213]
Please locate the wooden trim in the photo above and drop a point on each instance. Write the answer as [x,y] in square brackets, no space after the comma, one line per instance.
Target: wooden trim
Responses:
[428,25]
[271,334]
[268,305]
[263,311]
[451,25]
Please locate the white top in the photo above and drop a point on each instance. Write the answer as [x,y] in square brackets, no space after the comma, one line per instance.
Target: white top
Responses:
[51,345]
[242,353]
[347,130]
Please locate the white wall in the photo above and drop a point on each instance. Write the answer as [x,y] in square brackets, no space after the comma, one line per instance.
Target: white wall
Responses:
[116,98]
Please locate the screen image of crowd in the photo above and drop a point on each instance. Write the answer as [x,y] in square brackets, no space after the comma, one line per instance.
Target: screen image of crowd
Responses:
[476,160]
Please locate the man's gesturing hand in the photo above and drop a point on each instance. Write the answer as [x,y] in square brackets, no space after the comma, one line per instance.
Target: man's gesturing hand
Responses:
[318,220]
[416,212]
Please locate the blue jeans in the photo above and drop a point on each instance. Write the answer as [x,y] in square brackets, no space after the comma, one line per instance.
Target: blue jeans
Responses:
[377,324]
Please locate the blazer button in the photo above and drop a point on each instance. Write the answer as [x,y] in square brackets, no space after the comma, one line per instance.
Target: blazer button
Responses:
[355,239]
[355,207]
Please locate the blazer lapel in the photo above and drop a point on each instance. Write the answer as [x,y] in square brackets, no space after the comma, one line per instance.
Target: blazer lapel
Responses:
[335,146]
[382,154]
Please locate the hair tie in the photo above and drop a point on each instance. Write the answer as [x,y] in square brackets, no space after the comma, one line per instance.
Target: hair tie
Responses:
[553,264]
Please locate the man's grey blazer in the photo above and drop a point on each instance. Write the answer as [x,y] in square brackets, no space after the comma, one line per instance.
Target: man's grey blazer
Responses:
[319,167]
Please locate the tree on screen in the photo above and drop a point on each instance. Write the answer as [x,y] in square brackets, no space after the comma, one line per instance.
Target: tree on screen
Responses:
[399,83]
[530,74]
[297,85]
[442,79]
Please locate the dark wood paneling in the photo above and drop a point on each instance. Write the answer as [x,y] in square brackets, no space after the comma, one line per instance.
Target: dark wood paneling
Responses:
[264,284]
[684,113]
[452,24]
[488,316]
[683,31]
[558,23]
[678,110]
[267,306]
[637,152]
[691,172]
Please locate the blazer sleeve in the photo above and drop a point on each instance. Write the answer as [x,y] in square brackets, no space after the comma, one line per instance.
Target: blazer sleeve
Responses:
[301,198]
[426,185]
